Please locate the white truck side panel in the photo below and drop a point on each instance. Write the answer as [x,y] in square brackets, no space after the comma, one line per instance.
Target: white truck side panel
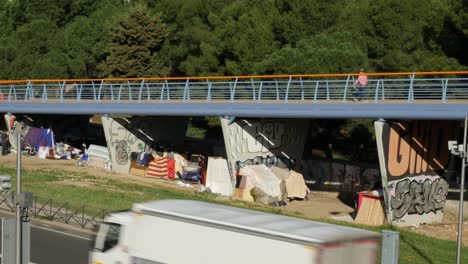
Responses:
[164,240]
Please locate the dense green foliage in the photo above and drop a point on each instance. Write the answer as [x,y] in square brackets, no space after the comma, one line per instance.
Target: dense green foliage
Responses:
[144,38]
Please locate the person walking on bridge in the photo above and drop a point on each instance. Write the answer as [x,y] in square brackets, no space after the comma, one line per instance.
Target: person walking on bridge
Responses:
[361,84]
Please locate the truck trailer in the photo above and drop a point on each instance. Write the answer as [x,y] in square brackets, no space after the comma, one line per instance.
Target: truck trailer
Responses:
[195,232]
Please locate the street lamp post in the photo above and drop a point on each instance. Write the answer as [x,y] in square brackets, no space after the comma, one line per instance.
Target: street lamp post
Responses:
[461,151]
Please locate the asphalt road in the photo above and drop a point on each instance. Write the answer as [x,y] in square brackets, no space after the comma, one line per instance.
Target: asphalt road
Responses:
[58,244]
[49,246]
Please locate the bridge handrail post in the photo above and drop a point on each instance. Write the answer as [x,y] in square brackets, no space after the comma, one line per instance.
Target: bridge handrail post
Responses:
[287,89]
[277,90]
[141,90]
[129,91]
[302,88]
[12,89]
[383,90]
[61,87]
[80,90]
[259,98]
[44,93]
[94,91]
[315,92]
[120,92]
[168,91]
[376,97]
[328,90]
[26,92]
[253,89]
[411,92]
[148,92]
[208,96]
[184,97]
[444,90]
[233,90]
[101,85]
[161,96]
[346,88]
[112,91]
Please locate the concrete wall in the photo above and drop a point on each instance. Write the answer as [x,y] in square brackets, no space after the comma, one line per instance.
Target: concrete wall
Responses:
[338,176]
[126,135]
[413,157]
[248,138]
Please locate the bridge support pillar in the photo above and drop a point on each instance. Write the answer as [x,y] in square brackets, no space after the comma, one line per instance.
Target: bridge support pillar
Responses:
[134,134]
[248,138]
[413,158]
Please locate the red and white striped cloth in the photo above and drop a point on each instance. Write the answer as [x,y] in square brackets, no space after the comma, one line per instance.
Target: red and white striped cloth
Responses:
[157,168]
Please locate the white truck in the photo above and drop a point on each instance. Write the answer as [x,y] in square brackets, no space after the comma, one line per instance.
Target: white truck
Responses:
[194,232]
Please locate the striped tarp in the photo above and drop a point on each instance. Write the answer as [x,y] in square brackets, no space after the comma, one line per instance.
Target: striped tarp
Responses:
[158,168]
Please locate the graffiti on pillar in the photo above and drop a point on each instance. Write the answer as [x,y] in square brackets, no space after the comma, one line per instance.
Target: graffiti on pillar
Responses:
[418,196]
[267,135]
[414,156]
[248,138]
[121,152]
[136,134]
[121,141]
[418,147]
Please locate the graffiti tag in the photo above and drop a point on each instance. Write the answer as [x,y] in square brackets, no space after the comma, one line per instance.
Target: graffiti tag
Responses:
[417,147]
[418,197]
[121,152]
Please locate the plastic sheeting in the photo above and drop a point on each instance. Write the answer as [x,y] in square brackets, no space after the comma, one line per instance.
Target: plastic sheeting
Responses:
[98,157]
[218,178]
[98,151]
[262,177]
[38,137]
[294,182]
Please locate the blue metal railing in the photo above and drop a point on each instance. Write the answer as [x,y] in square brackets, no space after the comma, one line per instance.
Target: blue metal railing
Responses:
[443,87]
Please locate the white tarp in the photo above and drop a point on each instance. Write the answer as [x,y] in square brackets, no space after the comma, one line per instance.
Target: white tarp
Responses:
[98,151]
[262,177]
[218,178]
[294,182]
[98,157]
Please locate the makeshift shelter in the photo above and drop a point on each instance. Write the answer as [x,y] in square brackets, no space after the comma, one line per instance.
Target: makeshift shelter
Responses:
[38,137]
[295,186]
[98,157]
[265,182]
[218,179]
[158,167]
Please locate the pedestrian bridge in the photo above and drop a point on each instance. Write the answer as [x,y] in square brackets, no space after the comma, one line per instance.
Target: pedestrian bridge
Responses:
[407,95]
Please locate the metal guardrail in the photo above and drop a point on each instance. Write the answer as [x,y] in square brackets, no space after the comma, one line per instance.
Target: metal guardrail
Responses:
[84,216]
[409,87]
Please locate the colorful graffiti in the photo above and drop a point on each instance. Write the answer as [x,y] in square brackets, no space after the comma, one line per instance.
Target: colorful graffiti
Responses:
[248,138]
[136,134]
[417,147]
[418,197]
[413,157]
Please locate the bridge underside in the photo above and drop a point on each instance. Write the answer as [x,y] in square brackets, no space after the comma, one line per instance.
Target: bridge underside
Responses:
[303,109]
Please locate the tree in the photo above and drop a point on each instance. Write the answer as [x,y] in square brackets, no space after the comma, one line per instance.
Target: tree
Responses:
[323,53]
[135,42]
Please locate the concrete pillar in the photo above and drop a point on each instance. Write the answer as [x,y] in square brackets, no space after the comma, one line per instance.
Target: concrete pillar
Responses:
[413,156]
[247,138]
[127,135]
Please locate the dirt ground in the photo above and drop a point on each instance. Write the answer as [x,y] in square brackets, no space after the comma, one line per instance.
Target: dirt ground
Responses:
[319,204]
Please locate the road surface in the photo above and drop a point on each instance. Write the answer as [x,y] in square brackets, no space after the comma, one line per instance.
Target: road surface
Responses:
[57,244]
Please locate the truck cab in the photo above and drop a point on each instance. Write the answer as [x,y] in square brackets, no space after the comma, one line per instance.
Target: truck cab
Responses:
[111,244]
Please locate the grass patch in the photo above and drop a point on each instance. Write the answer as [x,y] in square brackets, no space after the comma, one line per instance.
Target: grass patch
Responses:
[110,194]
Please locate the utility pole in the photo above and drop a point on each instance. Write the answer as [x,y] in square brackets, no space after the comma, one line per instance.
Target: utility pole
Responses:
[18,206]
[462,190]
[460,151]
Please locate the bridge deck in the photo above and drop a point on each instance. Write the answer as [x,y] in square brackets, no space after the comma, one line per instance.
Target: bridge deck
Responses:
[391,95]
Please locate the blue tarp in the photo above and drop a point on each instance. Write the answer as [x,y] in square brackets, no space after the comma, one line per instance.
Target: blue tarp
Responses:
[37,137]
